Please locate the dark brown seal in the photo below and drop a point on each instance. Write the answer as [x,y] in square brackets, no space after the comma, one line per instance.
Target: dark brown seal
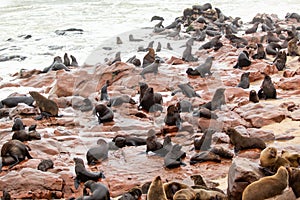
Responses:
[212,43]
[15,100]
[156,190]
[119,100]
[253,96]
[243,60]
[97,191]
[260,54]
[252,29]
[294,180]
[133,194]
[46,106]
[66,60]
[174,156]
[148,101]
[18,125]
[267,89]
[103,113]
[82,175]
[173,116]
[244,82]
[280,60]
[217,101]
[103,92]
[267,187]
[13,152]
[203,69]
[127,140]
[151,142]
[23,135]
[45,164]
[149,57]
[157,96]
[205,156]
[241,142]
[98,153]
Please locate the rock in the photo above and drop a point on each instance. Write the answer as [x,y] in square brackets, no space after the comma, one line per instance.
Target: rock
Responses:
[286,195]
[265,135]
[23,109]
[260,114]
[289,83]
[235,93]
[241,173]
[204,124]
[231,119]
[295,115]
[43,185]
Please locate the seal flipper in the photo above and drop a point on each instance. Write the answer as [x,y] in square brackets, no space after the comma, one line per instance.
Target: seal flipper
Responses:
[16,161]
[76,183]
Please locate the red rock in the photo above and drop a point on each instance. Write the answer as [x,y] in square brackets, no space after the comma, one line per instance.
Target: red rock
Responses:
[4,85]
[289,83]
[40,80]
[204,124]
[175,61]
[235,93]
[295,115]
[262,134]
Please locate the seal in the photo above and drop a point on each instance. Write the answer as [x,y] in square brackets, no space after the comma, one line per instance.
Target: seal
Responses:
[126,140]
[13,152]
[172,187]
[117,58]
[151,142]
[23,135]
[260,54]
[97,190]
[104,94]
[244,82]
[212,43]
[158,48]
[184,194]
[157,96]
[241,142]
[119,100]
[253,96]
[173,116]
[131,39]
[169,46]
[204,142]
[202,69]
[15,100]
[269,159]
[205,156]
[243,60]
[156,190]
[132,194]
[267,187]
[74,62]
[236,41]
[103,113]
[45,164]
[82,175]
[5,195]
[205,113]
[294,180]
[134,60]
[293,49]
[267,89]
[208,194]
[18,124]
[252,29]
[280,60]
[66,60]
[149,58]
[187,54]
[272,48]
[58,65]
[119,41]
[187,90]
[173,157]
[152,68]
[293,158]
[98,153]
[46,106]
[147,102]
[217,101]
[184,106]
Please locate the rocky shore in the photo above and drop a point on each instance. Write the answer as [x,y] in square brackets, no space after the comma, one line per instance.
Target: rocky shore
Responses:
[75,130]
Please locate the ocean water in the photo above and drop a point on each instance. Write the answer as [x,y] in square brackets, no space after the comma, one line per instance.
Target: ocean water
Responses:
[101,20]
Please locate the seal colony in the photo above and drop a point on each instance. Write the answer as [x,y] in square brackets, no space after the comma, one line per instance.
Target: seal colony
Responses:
[123,134]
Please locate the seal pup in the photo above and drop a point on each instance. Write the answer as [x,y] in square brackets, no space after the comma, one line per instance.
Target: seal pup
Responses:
[74,62]
[45,164]
[151,142]
[131,39]
[119,100]
[172,187]
[173,116]
[169,46]
[103,113]
[241,142]
[46,106]
[294,180]
[243,60]
[217,101]
[66,60]
[82,175]
[184,106]
[97,190]
[148,102]
[202,69]
[119,41]
[13,101]
[23,135]
[134,60]
[267,89]
[253,96]
[260,54]
[98,153]
[117,58]
[267,187]
[13,152]
[174,156]
[153,68]
[252,29]
[280,60]
[187,54]
[271,160]
[149,58]
[293,158]
[132,194]
[271,37]
[18,124]
[158,48]
[187,90]
[104,95]
[156,190]
[244,82]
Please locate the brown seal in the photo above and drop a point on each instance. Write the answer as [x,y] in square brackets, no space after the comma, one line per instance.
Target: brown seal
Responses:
[157,96]
[242,142]
[148,101]
[209,194]
[270,159]
[74,62]
[243,60]
[174,156]
[253,96]
[66,60]
[280,60]
[293,158]
[203,69]
[152,68]
[173,116]
[171,188]
[44,165]
[46,106]
[272,48]
[103,91]
[252,29]
[98,153]
[128,140]
[261,54]
[293,49]
[267,89]
[294,180]
[212,43]
[187,193]
[103,113]
[13,152]
[267,187]
[217,101]
[151,142]
[149,57]
[18,124]
[244,82]
[23,135]
[156,190]
[133,194]
[97,190]
[119,100]
[82,175]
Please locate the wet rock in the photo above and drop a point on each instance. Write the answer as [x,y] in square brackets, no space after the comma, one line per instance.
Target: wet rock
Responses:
[41,184]
[260,115]
[241,173]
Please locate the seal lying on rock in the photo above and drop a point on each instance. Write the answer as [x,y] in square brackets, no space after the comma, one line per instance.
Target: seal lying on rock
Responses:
[244,82]
[132,194]
[157,96]
[13,152]
[280,60]
[187,90]
[148,101]
[97,191]
[56,65]
[46,106]
[174,156]
[119,100]
[97,153]
[203,69]
[82,175]
[23,135]
[126,140]
[44,165]
[173,116]
[103,113]
[15,100]
[205,156]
